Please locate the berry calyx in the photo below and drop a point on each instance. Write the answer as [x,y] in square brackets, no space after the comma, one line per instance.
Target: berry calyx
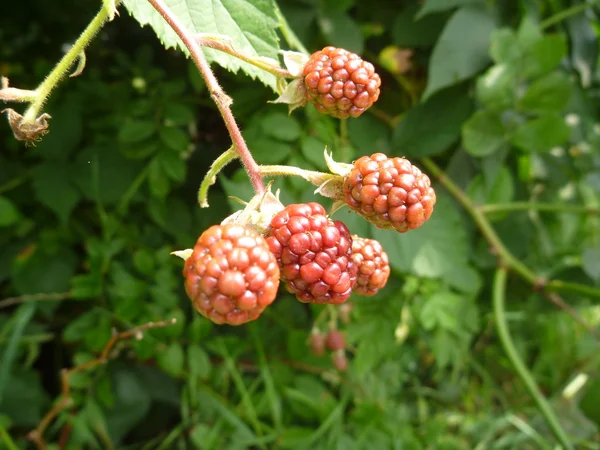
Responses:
[389,192]
[373,265]
[314,254]
[340,83]
[231,275]
[335,340]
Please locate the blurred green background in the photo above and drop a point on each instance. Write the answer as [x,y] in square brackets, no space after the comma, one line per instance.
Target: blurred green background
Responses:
[502,95]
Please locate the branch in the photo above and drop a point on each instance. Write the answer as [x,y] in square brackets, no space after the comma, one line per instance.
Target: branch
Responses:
[222,100]
[506,258]
[65,400]
[53,296]
[519,365]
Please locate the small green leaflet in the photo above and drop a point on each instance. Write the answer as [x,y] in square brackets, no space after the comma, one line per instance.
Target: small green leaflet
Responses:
[251,26]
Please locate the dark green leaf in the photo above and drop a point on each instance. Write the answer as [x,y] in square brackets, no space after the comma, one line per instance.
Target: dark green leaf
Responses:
[590,260]
[544,55]
[458,55]
[431,127]
[172,164]
[504,46]
[179,113]
[497,87]
[136,131]
[198,362]
[410,30]
[53,188]
[431,6]
[171,360]
[174,138]
[342,31]
[9,214]
[280,126]
[158,179]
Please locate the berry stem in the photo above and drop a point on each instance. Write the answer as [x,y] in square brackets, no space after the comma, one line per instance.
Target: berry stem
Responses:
[207,41]
[221,99]
[312,176]
[518,364]
[211,176]
[43,90]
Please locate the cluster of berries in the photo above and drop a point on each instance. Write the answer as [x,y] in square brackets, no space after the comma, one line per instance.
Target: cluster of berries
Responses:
[233,272]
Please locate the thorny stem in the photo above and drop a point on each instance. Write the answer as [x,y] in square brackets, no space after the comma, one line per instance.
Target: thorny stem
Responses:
[65,401]
[211,175]
[53,78]
[222,100]
[517,362]
[226,48]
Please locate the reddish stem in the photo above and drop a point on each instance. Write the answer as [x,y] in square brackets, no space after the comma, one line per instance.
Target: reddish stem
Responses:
[222,100]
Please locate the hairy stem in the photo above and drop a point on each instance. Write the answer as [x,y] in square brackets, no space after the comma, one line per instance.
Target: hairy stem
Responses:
[316,178]
[54,77]
[211,175]
[260,63]
[518,364]
[222,100]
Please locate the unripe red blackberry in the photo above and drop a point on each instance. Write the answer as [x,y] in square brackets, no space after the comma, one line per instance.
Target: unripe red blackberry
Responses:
[335,341]
[373,265]
[314,254]
[231,275]
[389,192]
[339,360]
[317,343]
[340,83]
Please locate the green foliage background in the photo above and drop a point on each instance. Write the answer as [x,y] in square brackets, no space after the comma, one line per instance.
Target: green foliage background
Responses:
[501,94]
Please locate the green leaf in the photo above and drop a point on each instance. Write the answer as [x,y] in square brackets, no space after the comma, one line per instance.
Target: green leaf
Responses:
[544,55]
[9,214]
[179,113]
[86,286]
[45,272]
[174,138]
[368,135]
[281,126]
[504,46]
[548,94]
[158,179]
[483,134]
[410,30]
[458,55]
[430,251]
[171,359]
[497,87]
[251,26]
[172,164]
[53,188]
[312,149]
[341,31]
[500,190]
[431,6]
[135,131]
[542,134]
[198,362]
[269,151]
[431,127]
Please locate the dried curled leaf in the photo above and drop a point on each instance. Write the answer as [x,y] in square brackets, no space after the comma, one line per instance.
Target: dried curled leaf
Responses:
[27,131]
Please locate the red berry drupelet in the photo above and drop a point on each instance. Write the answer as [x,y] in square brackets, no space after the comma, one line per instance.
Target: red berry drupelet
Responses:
[389,192]
[373,265]
[314,254]
[340,83]
[231,276]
